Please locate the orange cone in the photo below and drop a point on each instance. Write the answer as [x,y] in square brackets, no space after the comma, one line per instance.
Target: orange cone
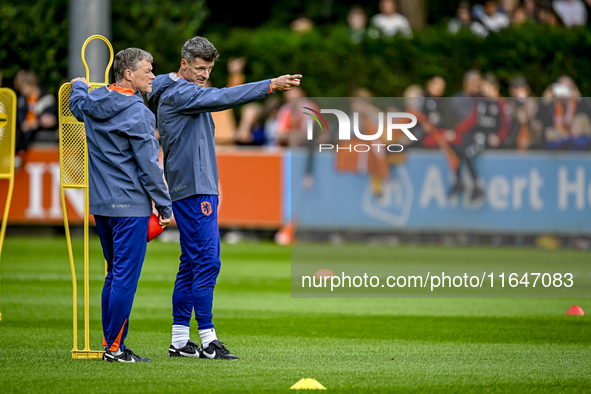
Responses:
[575,310]
[283,236]
[154,228]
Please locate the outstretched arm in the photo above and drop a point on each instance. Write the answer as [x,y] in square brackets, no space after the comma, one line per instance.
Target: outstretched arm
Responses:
[192,99]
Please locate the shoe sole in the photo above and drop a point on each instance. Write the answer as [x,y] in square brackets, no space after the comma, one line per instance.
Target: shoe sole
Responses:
[117,360]
[186,355]
[220,358]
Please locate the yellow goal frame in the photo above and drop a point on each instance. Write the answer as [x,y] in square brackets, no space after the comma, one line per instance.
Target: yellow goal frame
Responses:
[7,146]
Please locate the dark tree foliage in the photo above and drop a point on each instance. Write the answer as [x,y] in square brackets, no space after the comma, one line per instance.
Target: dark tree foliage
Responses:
[160,27]
[34,36]
[333,66]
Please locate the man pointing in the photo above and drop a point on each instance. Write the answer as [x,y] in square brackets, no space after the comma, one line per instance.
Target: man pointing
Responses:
[187,134]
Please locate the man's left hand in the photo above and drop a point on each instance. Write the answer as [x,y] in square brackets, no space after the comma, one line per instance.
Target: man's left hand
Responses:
[163,221]
[80,79]
[285,82]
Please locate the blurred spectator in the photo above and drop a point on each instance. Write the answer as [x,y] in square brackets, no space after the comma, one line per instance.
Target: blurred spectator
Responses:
[490,16]
[251,129]
[270,111]
[531,10]
[487,125]
[430,112]
[547,15]
[508,7]
[18,78]
[374,162]
[519,88]
[526,130]
[414,99]
[436,86]
[519,16]
[302,25]
[461,102]
[36,111]
[565,116]
[389,21]
[258,123]
[464,19]
[357,21]
[292,126]
[428,108]
[225,123]
[571,12]
[492,116]
[433,120]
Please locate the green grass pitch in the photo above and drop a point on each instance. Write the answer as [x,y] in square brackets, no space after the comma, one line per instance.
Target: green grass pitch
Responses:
[349,345]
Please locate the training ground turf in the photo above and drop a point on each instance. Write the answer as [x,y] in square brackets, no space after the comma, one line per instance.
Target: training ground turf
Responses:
[349,345]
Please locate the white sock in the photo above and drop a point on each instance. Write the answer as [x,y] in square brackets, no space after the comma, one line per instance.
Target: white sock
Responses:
[180,335]
[207,336]
[119,352]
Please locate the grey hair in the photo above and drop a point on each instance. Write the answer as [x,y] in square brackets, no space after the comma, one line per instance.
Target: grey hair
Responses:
[129,59]
[199,47]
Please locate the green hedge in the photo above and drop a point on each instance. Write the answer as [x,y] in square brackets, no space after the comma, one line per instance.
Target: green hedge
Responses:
[34,36]
[333,66]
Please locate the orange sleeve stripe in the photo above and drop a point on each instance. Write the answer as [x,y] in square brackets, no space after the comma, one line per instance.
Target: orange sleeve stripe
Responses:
[270,88]
[115,346]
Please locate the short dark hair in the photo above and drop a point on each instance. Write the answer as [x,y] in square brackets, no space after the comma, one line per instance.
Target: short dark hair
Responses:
[490,78]
[199,47]
[129,59]
[519,82]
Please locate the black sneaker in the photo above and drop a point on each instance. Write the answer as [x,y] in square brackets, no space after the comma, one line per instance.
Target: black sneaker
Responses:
[191,349]
[216,349]
[457,188]
[126,357]
[477,194]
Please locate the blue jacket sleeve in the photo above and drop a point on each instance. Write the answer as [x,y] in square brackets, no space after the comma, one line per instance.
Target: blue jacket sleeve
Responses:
[192,99]
[77,97]
[138,129]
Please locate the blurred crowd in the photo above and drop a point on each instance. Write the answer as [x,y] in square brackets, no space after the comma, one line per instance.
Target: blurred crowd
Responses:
[494,16]
[36,114]
[480,19]
[558,121]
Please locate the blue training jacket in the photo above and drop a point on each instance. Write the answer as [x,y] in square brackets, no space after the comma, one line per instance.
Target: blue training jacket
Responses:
[187,130]
[123,154]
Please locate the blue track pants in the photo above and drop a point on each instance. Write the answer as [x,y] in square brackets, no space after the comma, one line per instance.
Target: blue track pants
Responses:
[124,241]
[197,219]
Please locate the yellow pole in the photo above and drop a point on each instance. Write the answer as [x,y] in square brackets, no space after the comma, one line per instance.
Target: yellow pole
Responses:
[86,274]
[72,267]
[4,222]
